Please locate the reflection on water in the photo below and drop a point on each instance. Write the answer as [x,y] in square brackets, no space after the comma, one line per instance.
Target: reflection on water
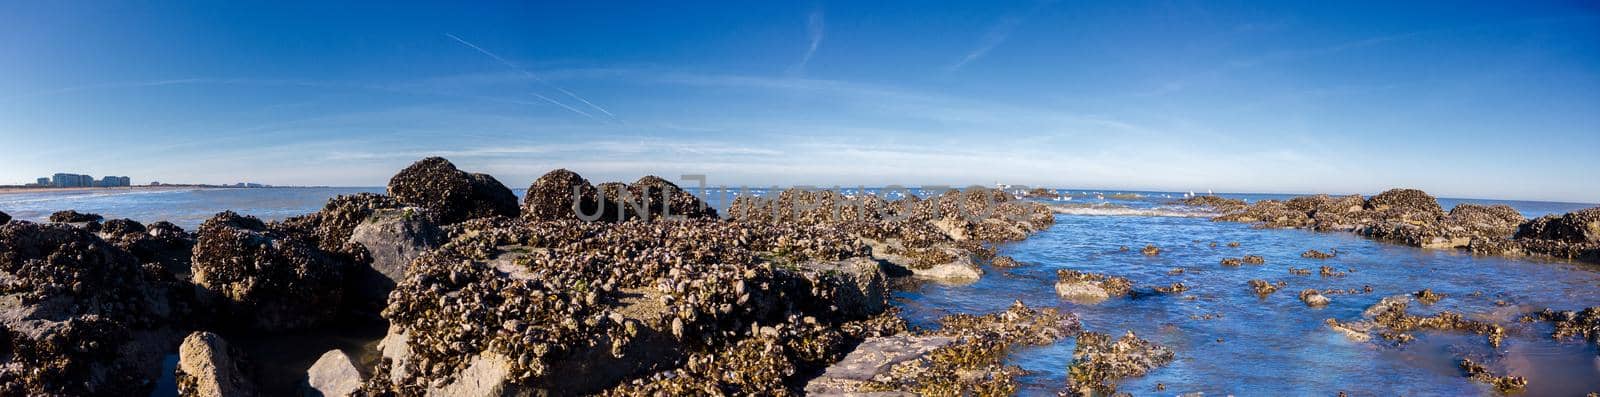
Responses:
[1278,345]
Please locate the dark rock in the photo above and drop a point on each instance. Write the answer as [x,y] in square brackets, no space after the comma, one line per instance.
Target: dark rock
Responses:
[207,368]
[71,216]
[1504,384]
[1498,221]
[263,278]
[1407,200]
[435,185]
[78,316]
[1221,204]
[659,198]
[1582,226]
[563,194]
[1089,288]
[4,218]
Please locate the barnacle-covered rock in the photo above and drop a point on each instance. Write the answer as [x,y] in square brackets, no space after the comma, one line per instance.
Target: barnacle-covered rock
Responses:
[1498,221]
[207,368]
[435,185]
[1574,235]
[1097,362]
[1217,203]
[563,194]
[1089,288]
[73,216]
[78,316]
[1504,384]
[263,278]
[1313,298]
[1583,324]
[1408,200]
[1314,254]
[1263,288]
[652,198]
[972,363]
[1396,325]
[872,360]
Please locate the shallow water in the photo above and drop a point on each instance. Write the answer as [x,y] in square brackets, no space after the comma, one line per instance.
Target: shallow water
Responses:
[1278,345]
[1271,346]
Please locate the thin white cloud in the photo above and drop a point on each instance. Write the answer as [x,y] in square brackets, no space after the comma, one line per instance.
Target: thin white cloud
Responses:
[997,34]
[536,78]
[816,31]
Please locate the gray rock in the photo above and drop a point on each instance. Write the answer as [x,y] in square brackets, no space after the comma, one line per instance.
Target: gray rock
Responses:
[334,374]
[206,368]
[1082,292]
[394,238]
[872,358]
[863,291]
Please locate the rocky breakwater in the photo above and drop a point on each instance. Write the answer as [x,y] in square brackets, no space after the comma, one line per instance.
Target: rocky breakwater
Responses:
[942,238]
[1412,217]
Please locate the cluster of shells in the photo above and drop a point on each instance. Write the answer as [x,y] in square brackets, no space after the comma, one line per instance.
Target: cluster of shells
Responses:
[1412,217]
[1098,361]
[973,364]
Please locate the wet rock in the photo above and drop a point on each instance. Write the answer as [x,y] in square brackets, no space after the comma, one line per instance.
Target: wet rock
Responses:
[334,375]
[207,368]
[4,218]
[941,263]
[71,216]
[1390,314]
[1233,244]
[1220,204]
[1313,298]
[435,185]
[856,287]
[972,364]
[1360,331]
[1089,288]
[1098,362]
[1174,288]
[1503,384]
[872,360]
[1254,260]
[1005,262]
[1574,235]
[1583,324]
[263,278]
[1042,194]
[1150,250]
[1271,213]
[1427,297]
[393,238]
[1314,254]
[1263,288]
[1231,262]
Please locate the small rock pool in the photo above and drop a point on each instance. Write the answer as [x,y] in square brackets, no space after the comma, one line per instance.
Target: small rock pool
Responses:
[1229,341]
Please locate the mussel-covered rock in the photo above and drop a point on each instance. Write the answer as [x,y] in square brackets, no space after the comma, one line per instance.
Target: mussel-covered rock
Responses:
[1217,203]
[1089,288]
[1098,362]
[263,278]
[1504,384]
[72,216]
[435,185]
[969,363]
[78,316]
[207,368]
[873,359]
[653,198]
[1406,200]
[563,194]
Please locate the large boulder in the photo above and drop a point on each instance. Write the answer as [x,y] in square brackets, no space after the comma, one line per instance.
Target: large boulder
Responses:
[72,216]
[263,278]
[206,368]
[659,198]
[1499,221]
[434,184]
[1406,200]
[4,218]
[393,238]
[1582,226]
[78,316]
[855,287]
[563,194]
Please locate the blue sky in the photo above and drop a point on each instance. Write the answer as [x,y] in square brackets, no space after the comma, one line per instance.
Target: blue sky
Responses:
[1465,99]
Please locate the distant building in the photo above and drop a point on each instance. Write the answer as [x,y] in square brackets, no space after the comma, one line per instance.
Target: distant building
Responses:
[114,181]
[71,180]
[44,182]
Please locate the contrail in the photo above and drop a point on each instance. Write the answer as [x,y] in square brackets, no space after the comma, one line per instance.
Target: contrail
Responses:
[535,77]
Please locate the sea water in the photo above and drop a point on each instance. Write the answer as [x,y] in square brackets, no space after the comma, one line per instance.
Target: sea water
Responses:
[1226,339]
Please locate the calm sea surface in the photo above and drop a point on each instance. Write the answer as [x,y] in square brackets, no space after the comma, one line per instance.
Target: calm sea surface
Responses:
[1249,346]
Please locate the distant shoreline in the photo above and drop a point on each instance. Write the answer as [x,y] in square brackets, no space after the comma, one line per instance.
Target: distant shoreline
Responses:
[23,189]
